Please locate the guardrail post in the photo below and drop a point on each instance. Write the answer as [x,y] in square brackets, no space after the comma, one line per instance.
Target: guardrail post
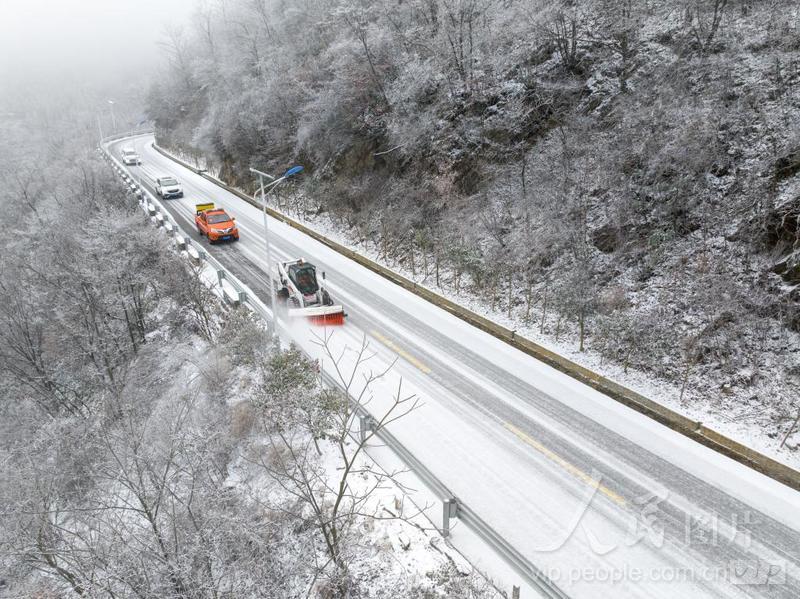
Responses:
[366,424]
[449,510]
[220,276]
[243,297]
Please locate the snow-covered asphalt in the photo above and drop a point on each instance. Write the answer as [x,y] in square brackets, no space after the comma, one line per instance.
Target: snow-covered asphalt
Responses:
[603,499]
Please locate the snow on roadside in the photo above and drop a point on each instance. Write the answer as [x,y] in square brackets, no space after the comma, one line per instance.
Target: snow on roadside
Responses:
[398,549]
[695,405]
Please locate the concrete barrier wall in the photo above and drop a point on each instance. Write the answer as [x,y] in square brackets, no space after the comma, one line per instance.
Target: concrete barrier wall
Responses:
[679,423]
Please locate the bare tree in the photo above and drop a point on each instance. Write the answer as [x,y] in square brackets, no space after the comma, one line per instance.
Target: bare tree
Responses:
[461,21]
[563,31]
[334,502]
[618,26]
[196,298]
[704,18]
[357,20]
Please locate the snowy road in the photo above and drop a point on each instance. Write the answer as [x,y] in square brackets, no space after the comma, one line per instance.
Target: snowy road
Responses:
[600,497]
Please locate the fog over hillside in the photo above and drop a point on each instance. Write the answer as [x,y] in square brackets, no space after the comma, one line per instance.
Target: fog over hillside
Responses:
[64,60]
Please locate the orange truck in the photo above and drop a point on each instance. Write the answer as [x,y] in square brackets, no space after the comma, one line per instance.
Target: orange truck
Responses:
[215,223]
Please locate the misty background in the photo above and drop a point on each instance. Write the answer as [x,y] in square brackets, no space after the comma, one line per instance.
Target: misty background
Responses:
[63,60]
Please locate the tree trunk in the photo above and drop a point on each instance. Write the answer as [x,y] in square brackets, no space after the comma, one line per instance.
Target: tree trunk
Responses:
[436,266]
[362,36]
[510,294]
[411,258]
[544,310]
[686,373]
[791,428]
[626,361]
[558,325]
[528,300]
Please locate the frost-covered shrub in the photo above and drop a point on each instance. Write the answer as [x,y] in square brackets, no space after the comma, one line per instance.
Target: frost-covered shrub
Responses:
[244,338]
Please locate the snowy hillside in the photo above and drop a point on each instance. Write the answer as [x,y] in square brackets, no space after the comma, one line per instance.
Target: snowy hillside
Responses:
[620,177]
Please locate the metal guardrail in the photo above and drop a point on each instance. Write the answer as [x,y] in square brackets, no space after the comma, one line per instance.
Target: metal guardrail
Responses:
[245,295]
[521,565]
[452,507]
[131,133]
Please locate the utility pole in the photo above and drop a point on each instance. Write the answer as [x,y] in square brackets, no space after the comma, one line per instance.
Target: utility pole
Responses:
[113,118]
[272,298]
[274,181]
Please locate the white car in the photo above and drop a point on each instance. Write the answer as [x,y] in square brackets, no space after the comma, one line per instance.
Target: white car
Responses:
[130,157]
[168,187]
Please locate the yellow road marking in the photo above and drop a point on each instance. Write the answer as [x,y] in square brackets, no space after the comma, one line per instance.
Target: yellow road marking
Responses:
[573,470]
[401,352]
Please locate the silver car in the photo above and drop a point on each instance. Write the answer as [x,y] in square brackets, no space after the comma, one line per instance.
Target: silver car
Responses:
[168,187]
[130,157]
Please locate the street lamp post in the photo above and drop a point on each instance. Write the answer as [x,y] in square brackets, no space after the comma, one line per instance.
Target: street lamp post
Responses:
[113,118]
[274,183]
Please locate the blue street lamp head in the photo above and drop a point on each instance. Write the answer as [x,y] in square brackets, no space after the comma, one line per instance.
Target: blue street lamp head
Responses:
[293,171]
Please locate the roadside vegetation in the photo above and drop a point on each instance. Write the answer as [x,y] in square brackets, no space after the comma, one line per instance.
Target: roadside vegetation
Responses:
[156,443]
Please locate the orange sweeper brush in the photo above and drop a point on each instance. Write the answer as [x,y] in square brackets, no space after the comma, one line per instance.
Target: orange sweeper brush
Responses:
[321,315]
[328,320]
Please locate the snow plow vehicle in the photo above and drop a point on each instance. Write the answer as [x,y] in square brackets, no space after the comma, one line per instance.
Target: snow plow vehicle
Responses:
[302,295]
[215,223]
